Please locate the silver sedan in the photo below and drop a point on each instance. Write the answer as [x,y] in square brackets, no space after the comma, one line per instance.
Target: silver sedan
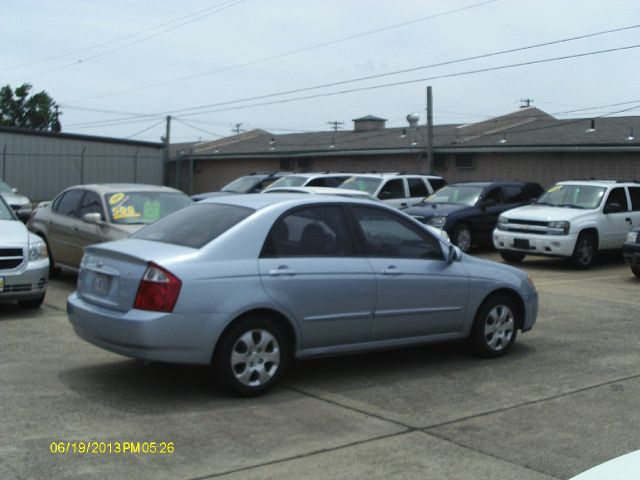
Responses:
[247,283]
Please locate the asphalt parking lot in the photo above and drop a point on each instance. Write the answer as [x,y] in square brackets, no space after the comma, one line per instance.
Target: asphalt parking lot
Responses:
[565,399]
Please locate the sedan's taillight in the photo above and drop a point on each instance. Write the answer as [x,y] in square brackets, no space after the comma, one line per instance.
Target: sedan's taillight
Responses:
[158,291]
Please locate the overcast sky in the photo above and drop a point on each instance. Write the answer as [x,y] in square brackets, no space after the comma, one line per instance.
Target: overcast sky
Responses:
[108,62]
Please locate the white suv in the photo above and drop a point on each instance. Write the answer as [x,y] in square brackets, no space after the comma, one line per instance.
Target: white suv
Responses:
[573,219]
[311,179]
[396,189]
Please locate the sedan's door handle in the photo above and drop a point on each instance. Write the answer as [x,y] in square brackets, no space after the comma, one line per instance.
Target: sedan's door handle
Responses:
[392,270]
[282,270]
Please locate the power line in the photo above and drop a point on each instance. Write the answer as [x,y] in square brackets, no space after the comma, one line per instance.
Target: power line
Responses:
[145,130]
[289,53]
[197,128]
[115,40]
[466,59]
[228,4]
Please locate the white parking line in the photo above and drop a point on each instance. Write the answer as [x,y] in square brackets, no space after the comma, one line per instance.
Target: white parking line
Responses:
[574,280]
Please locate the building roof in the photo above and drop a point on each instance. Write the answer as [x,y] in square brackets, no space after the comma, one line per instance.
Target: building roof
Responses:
[529,129]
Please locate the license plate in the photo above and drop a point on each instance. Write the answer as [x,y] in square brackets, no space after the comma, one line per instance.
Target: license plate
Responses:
[521,243]
[101,284]
[1,284]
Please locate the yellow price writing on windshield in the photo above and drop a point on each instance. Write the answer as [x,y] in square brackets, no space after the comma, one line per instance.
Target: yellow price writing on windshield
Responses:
[124,212]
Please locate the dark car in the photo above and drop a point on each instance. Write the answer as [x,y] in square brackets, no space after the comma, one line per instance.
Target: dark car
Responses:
[252,183]
[469,212]
[631,251]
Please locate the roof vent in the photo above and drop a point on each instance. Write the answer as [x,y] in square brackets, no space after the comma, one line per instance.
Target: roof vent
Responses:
[368,123]
[413,119]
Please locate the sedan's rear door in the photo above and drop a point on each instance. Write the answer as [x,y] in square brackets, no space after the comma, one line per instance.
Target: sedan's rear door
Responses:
[310,269]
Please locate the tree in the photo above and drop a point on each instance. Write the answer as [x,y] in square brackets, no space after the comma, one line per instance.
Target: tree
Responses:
[36,112]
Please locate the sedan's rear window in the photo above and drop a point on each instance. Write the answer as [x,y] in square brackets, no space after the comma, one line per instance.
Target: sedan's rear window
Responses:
[195,226]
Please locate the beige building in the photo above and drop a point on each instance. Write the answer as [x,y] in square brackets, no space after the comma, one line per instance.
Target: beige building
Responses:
[525,145]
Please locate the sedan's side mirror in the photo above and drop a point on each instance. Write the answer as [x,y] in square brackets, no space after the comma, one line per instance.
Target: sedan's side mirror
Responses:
[454,254]
[94,218]
[612,208]
[14,190]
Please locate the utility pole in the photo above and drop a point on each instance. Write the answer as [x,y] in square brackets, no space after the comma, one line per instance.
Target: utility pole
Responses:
[336,125]
[429,130]
[167,141]
[526,102]
[236,128]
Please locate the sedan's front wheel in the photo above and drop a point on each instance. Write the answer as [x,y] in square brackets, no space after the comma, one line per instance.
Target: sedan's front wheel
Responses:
[251,357]
[495,327]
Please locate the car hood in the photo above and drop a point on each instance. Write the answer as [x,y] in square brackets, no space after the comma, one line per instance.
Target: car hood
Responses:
[13,232]
[428,209]
[15,199]
[545,213]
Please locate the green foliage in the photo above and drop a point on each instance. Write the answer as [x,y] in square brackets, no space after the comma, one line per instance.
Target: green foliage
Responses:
[18,109]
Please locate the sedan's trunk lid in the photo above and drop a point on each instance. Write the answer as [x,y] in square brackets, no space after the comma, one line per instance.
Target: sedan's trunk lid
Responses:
[110,273]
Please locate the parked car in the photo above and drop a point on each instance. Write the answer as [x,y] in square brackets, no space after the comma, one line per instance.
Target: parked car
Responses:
[13,199]
[631,251]
[312,179]
[86,214]
[625,467]
[247,283]
[396,189]
[469,211]
[24,261]
[573,219]
[252,183]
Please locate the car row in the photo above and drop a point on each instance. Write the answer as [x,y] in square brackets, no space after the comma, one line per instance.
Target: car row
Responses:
[247,283]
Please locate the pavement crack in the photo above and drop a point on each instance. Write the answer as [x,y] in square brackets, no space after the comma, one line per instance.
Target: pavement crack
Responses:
[481,452]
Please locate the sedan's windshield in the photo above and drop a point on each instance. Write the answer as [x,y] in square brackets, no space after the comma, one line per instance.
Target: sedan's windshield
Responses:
[290,181]
[364,184]
[141,208]
[242,184]
[457,194]
[195,226]
[573,196]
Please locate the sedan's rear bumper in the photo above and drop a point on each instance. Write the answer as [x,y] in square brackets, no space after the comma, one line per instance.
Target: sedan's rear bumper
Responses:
[154,336]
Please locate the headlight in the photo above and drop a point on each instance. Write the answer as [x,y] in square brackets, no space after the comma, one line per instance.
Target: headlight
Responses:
[502,222]
[562,227]
[632,237]
[437,221]
[38,250]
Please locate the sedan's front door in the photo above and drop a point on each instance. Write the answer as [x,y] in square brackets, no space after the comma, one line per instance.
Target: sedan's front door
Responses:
[309,268]
[418,292]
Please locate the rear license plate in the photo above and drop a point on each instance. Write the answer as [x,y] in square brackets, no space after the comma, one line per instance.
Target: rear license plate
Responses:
[1,284]
[521,243]
[101,284]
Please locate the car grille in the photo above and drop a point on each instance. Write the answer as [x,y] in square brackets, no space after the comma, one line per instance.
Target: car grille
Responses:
[10,258]
[23,287]
[527,226]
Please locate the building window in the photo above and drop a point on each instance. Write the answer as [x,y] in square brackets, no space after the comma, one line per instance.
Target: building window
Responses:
[464,161]
[286,164]
[439,161]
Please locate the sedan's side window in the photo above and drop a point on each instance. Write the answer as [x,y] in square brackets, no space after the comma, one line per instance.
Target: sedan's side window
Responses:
[317,231]
[388,235]
[91,204]
[70,203]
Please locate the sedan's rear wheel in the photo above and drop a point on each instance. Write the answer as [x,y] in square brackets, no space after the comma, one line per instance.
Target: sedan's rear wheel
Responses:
[495,327]
[251,357]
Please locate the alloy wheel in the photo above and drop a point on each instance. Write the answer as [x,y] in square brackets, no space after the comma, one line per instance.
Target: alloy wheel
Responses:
[499,327]
[255,357]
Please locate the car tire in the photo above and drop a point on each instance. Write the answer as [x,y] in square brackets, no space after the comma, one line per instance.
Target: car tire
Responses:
[54,272]
[251,357]
[32,302]
[495,327]
[584,253]
[636,271]
[512,257]
[463,238]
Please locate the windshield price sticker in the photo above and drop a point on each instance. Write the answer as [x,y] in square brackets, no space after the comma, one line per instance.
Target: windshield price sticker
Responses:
[124,212]
[116,198]
[555,188]
[151,210]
